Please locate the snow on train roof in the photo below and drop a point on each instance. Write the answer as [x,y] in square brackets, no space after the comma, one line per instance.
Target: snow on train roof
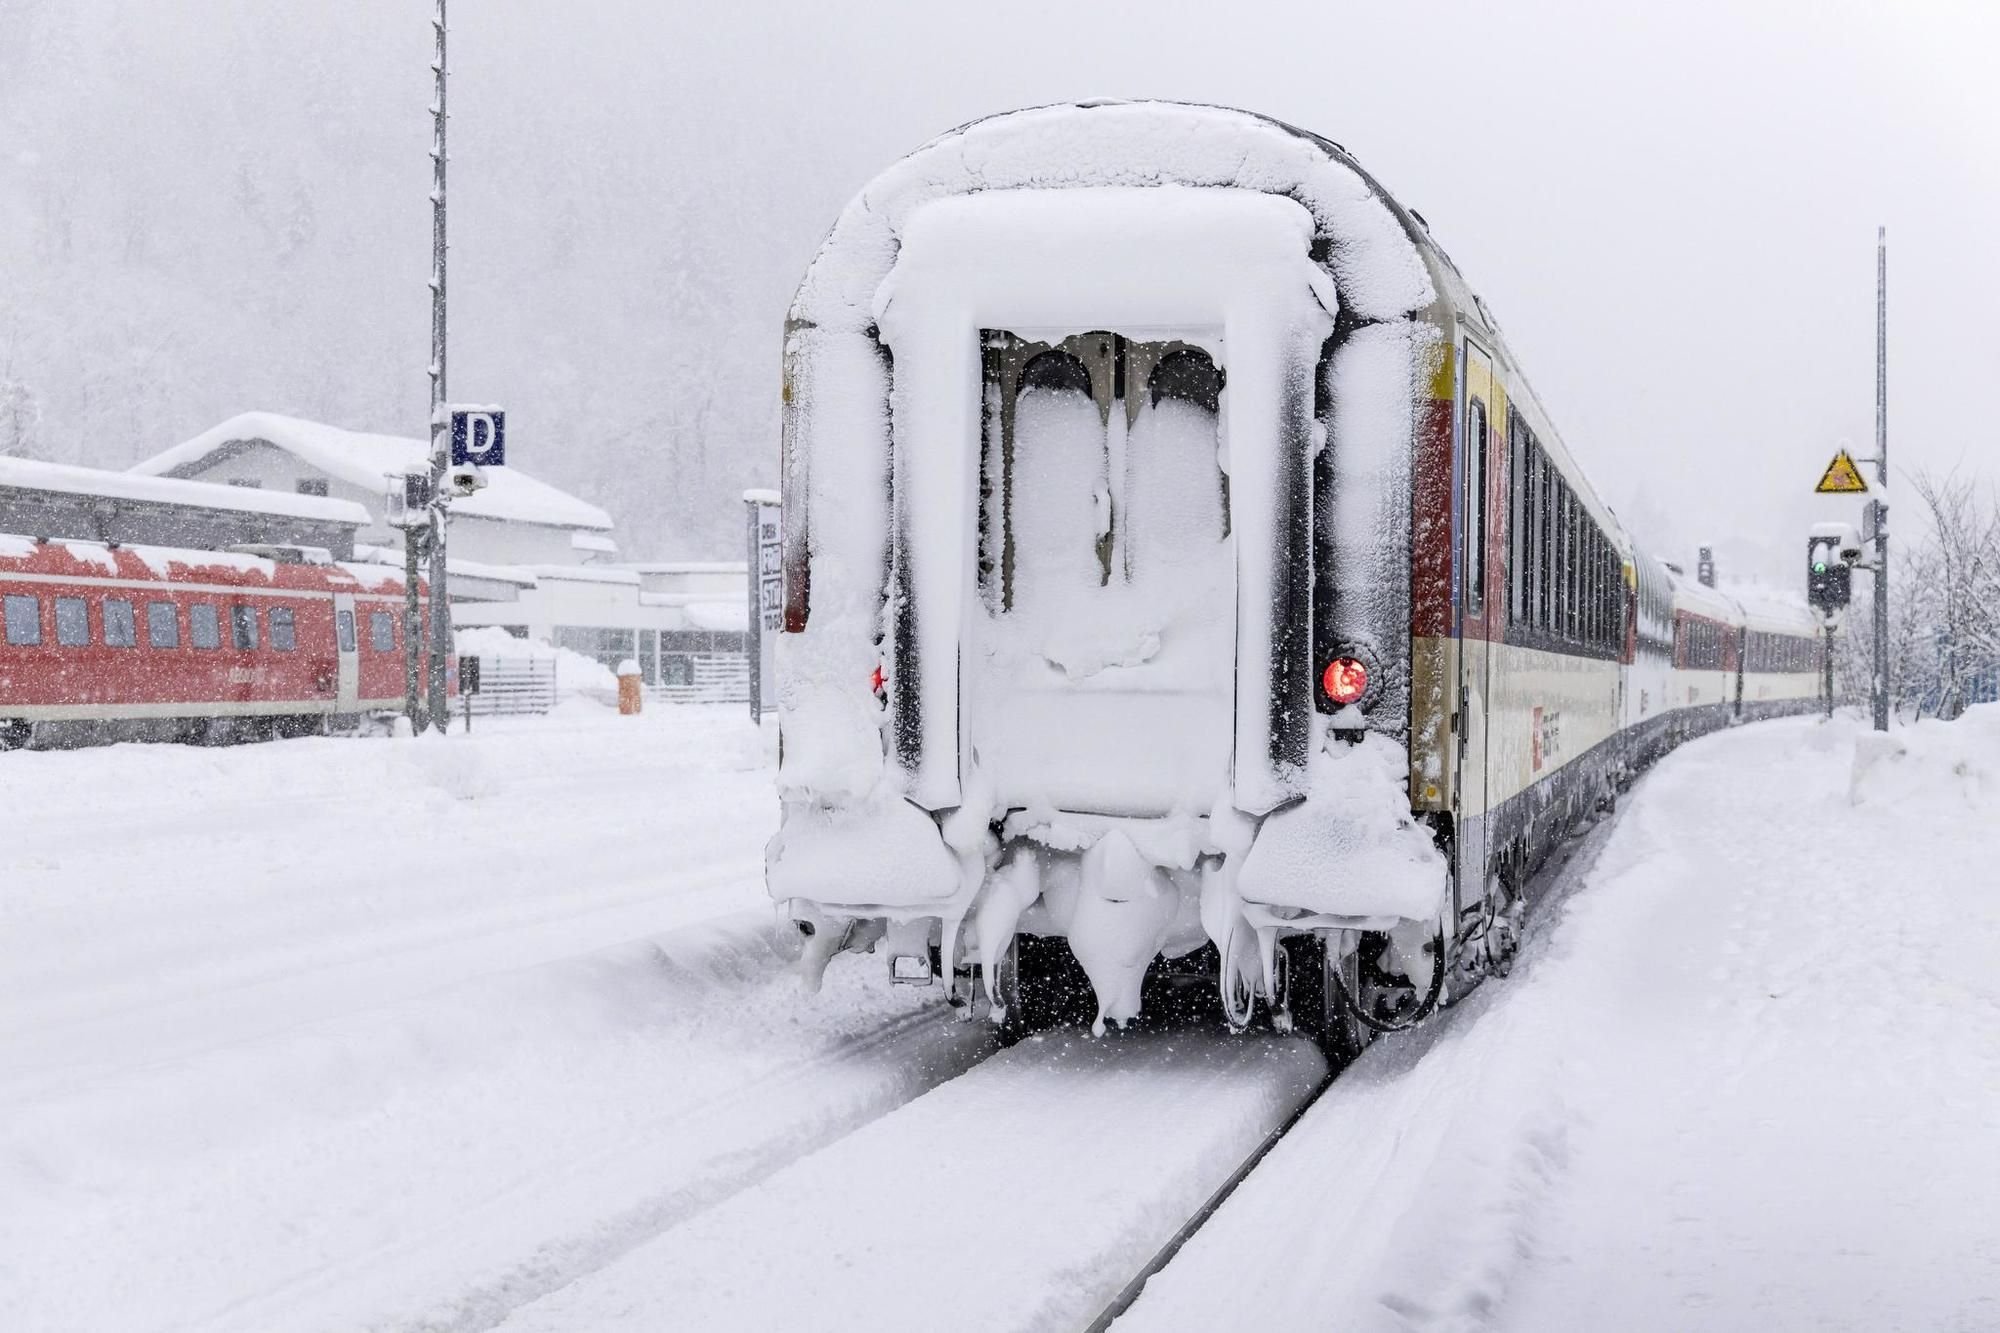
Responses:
[1769,608]
[32,475]
[364,460]
[1376,266]
[95,559]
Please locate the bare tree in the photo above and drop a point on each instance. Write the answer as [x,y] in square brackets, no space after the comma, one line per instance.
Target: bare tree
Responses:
[1944,622]
[1965,540]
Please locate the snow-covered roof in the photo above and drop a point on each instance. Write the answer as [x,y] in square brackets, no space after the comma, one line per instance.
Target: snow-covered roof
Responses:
[593,542]
[583,574]
[719,615]
[686,566]
[31,475]
[364,460]
[520,575]
[1769,608]
[1375,264]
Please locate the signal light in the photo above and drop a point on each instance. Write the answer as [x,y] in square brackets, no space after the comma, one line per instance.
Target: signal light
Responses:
[1828,580]
[1346,680]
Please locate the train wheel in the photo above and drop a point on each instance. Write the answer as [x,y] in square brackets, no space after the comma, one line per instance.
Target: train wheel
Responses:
[1318,1007]
[1042,986]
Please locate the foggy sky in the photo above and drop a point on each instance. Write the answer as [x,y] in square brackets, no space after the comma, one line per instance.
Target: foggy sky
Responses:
[215,205]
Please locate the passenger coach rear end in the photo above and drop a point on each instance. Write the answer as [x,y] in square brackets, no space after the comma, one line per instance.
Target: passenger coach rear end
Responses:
[1102,428]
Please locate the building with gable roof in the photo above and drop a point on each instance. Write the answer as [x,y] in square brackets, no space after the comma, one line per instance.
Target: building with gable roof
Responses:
[515,520]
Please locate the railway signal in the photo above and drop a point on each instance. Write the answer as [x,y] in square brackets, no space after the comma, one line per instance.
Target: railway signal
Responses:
[1828,576]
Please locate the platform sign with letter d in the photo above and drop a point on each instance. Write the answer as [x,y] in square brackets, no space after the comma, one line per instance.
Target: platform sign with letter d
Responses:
[478,437]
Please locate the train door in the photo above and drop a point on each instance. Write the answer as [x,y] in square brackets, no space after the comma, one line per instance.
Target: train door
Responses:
[1475,599]
[348,647]
[1101,675]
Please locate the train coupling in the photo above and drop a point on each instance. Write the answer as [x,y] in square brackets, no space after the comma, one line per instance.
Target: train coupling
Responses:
[909,950]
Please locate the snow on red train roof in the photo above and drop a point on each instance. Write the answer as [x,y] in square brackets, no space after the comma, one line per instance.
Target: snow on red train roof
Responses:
[166,564]
[364,460]
[32,475]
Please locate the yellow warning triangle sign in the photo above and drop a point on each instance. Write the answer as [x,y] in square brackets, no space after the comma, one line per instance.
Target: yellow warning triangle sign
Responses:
[1841,477]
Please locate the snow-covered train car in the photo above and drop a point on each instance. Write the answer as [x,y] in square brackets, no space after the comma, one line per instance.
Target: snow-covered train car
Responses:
[1707,654]
[142,642]
[1178,565]
[1783,657]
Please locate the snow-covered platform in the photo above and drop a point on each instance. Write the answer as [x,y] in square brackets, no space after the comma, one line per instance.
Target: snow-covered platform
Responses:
[449,1034]
[1746,1077]
[1024,1194]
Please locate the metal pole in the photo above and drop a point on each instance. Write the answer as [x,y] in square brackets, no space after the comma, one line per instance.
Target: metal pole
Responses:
[413,635]
[440,708]
[1881,627]
[1826,668]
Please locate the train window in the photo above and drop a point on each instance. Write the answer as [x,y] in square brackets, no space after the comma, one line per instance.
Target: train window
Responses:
[1544,532]
[1516,543]
[243,628]
[284,637]
[163,627]
[72,622]
[343,630]
[1566,560]
[24,621]
[1475,507]
[1531,537]
[204,625]
[382,631]
[121,628]
[1593,601]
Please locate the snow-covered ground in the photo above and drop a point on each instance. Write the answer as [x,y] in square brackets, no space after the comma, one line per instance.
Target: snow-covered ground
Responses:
[1023,1195]
[342,1033]
[1747,1076]
[450,1035]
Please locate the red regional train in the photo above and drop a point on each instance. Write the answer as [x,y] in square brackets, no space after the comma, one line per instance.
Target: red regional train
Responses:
[104,642]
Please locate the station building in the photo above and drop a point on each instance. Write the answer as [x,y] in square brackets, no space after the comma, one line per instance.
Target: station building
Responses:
[524,556]
[57,502]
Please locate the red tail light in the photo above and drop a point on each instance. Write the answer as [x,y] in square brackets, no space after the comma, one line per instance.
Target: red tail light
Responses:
[876,680]
[1346,680]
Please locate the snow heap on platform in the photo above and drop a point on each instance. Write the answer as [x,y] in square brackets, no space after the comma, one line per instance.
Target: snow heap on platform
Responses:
[1947,765]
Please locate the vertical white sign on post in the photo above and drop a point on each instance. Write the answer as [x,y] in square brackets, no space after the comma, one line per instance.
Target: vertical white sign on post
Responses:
[767,598]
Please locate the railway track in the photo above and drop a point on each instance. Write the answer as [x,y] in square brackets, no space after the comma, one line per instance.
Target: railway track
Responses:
[1030,1188]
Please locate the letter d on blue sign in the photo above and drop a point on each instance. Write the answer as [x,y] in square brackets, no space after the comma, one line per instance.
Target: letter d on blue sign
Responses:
[478,436]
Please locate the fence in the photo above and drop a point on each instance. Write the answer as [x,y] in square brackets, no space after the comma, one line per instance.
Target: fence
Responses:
[703,678]
[514,685]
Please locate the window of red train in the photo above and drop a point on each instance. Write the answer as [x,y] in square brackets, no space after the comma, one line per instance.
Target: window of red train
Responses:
[24,621]
[204,625]
[121,629]
[343,630]
[243,627]
[163,626]
[72,622]
[382,631]
[284,637]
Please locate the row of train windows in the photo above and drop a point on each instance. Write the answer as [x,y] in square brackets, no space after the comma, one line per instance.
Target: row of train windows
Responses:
[118,625]
[1564,576]
[1700,646]
[1781,652]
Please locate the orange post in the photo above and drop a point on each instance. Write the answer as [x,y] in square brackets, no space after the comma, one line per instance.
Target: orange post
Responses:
[629,697]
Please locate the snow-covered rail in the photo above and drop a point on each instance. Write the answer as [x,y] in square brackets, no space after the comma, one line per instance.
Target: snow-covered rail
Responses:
[1025,1193]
